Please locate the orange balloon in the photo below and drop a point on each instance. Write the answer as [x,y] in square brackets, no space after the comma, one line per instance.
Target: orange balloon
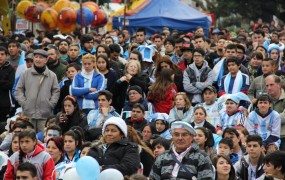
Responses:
[33,13]
[49,19]
[67,17]
[43,5]
[21,7]
[91,5]
[60,4]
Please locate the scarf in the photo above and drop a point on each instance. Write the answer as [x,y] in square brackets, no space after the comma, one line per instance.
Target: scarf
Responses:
[179,157]
[237,83]
[87,75]
[137,120]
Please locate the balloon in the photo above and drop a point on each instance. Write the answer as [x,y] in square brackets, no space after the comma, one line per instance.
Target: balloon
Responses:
[87,16]
[110,174]
[87,168]
[21,7]
[33,13]
[43,5]
[67,20]
[100,19]
[74,5]
[49,19]
[71,174]
[91,5]
[60,4]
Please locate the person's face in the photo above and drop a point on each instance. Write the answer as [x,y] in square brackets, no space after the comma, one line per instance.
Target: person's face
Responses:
[24,175]
[27,144]
[233,67]
[103,102]
[224,149]
[258,38]
[209,97]
[29,63]
[223,166]
[68,107]
[158,42]
[199,31]
[27,43]
[63,47]
[274,37]
[112,134]
[88,45]
[158,149]
[134,57]
[187,55]
[282,39]
[260,49]
[84,152]
[17,130]
[253,149]
[230,53]
[178,47]
[146,133]
[182,139]
[164,66]
[73,52]
[69,144]
[101,51]
[180,102]
[3,58]
[267,68]
[121,39]
[51,133]
[199,116]
[132,69]
[39,60]
[134,96]
[240,54]
[263,106]
[231,106]
[270,170]
[115,56]
[254,62]
[13,49]
[108,41]
[52,56]
[198,59]
[169,47]
[127,35]
[220,44]
[53,150]
[71,72]
[200,43]
[273,88]
[159,125]
[137,113]
[274,55]
[15,144]
[88,65]
[233,137]
[140,37]
[200,138]
[101,64]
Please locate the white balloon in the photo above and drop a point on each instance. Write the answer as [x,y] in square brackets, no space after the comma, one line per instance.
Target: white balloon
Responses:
[110,174]
[71,174]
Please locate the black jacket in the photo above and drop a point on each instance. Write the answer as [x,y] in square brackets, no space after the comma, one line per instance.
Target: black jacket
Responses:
[122,155]
[207,125]
[7,78]
[75,119]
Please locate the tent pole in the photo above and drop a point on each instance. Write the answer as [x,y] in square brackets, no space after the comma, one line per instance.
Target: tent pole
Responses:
[125,11]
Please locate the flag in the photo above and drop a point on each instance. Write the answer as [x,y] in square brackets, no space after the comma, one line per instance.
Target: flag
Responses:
[22,67]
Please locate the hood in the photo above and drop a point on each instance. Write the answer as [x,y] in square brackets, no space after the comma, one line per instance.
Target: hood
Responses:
[193,66]
[39,148]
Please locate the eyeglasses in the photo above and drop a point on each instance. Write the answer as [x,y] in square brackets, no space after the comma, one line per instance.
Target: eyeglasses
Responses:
[183,135]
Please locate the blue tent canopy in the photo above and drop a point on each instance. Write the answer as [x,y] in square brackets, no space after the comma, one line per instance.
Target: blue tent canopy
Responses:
[165,13]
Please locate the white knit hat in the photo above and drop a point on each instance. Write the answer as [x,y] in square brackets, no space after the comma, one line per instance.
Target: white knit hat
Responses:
[119,122]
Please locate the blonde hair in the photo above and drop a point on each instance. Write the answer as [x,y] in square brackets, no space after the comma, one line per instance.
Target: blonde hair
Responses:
[137,63]
[92,58]
[186,99]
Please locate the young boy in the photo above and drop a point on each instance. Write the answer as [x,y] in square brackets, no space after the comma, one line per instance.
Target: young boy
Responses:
[233,134]
[265,122]
[235,81]
[26,171]
[160,145]
[225,148]
[257,86]
[250,165]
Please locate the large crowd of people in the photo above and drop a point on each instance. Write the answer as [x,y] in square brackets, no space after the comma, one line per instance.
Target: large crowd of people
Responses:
[174,105]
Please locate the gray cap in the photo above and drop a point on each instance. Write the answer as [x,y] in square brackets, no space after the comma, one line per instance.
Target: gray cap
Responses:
[29,56]
[41,52]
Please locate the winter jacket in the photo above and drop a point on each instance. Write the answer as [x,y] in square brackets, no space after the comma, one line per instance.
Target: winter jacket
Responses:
[206,125]
[147,161]
[279,107]
[196,161]
[76,119]
[64,86]
[111,77]
[122,155]
[181,115]
[37,93]
[41,159]
[59,69]
[196,80]
[7,78]
[129,106]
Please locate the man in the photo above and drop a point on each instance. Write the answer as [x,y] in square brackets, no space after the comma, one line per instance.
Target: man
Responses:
[258,38]
[63,49]
[276,92]
[73,54]
[86,44]
[54,64]
[184,153]
[178,55]
[137,120]
[141,36]
[127,35]
[166,31]
[159,44]
[187,51]
[199,31]
[26,171]
[14,48]
[241,55]
[7,78]
[116,62]
[37,90]
[97,117]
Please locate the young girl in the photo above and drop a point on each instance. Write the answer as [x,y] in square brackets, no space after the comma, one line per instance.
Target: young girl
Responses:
[14,147]
[87,84]
[72,143]
[182,109]
[163,91]
[34,153]
[224,168]
[200,116]
[85,149]
[103,66]
[162,125]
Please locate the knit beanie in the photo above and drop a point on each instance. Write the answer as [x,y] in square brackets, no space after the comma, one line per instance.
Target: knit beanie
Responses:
[119,122]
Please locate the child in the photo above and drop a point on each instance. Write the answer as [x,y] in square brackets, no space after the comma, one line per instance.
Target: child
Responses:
[159,146]
[233,134]
[265,122]
[225,148]
[72,144]
[162,125]
[250,165]
[34,153]
[235,81]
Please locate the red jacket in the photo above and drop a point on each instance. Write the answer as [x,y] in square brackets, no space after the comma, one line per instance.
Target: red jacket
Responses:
[166,104]
[41,159]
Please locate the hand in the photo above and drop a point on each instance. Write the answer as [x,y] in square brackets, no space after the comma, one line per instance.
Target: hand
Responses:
[123,78]
[219,132]
[92,89]
[271,148]
[254,100]
[63,118]
[105,111]
[129,77]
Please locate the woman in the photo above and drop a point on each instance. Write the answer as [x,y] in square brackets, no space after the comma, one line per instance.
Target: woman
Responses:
[224,168]
[114,150]
[133,76]
[71,115]
[146,155]
[166,63]
[72,144]
[204,138]
[33,152]
[163,91]
[274,53]
[200,116]
[182,109]
[254,63]
[87,84]
[103,65]
[147,132]
[14,147]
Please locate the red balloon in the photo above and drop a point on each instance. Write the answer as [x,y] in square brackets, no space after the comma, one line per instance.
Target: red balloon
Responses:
[33,13]
[100,19]
[67,20]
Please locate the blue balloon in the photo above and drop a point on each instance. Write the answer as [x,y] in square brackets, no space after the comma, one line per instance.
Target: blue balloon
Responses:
[88,168]
[87,16]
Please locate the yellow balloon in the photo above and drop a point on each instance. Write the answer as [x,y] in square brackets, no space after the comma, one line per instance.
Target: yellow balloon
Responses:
[21,7]
[49,19]
[59,5]
[74,5]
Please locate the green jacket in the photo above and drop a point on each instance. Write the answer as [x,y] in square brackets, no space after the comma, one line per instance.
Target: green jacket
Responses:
[279,106]
[59,69]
